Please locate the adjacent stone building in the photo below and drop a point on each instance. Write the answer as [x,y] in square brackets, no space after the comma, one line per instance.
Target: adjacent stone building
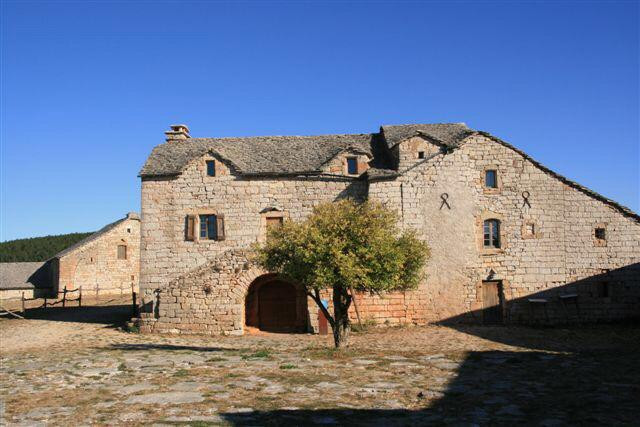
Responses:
[511,240]
[106,262]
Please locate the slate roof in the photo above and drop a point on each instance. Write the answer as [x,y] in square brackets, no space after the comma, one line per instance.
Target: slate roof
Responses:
[24,275]
[259,155]
[449,134]
[298,155]
[96,235]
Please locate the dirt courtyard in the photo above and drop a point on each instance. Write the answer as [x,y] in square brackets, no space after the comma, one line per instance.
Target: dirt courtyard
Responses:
[74,367]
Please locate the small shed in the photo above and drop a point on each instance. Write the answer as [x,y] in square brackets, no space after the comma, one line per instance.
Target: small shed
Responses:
[32,278]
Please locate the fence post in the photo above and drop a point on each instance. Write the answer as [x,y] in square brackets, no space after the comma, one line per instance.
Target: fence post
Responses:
[23,307]
[64,296]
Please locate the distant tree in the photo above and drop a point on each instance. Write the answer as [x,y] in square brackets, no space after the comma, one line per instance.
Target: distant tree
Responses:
[37,248]
[345,246]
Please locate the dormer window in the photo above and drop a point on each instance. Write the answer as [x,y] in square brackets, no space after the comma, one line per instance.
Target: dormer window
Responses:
[211,168]
[352,165]
[491,178]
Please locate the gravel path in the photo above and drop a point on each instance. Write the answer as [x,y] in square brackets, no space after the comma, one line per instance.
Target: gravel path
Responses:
[62,372]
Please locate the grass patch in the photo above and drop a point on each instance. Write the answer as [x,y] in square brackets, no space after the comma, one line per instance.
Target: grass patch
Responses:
[288,366]
[181,373]
[260,354]
[216,359]
[131,328]
[364,327]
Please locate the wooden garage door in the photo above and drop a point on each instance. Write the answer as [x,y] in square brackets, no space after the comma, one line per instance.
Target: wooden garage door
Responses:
[277,306]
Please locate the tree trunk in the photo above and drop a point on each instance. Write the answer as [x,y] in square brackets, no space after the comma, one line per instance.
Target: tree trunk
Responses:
[342,325]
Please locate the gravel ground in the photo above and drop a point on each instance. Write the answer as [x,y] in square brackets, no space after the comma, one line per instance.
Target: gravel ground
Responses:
[73,366]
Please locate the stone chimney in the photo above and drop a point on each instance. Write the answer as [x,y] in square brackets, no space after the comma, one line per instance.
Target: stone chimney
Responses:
[177,133]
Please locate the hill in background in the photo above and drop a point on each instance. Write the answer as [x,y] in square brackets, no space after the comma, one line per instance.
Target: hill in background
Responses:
[37,248]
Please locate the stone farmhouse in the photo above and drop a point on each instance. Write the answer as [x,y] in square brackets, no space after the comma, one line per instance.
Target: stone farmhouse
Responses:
[511,240]
[105,263]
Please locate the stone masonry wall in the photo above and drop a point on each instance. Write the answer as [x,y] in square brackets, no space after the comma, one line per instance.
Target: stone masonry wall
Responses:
[167,255]
[560,257]
[95,266]
[443,197]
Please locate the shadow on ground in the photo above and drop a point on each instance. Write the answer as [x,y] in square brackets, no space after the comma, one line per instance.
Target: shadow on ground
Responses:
[168,347]
[501,387]
[112,315]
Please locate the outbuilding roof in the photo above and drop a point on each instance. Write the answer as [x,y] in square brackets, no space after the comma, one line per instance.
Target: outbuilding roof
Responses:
[24,275]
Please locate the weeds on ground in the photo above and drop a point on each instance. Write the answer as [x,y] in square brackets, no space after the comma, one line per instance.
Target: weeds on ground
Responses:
[288,366]
[364,326]
[260,354]
[181,373]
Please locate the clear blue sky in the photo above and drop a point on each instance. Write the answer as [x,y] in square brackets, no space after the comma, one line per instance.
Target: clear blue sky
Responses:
[89,87]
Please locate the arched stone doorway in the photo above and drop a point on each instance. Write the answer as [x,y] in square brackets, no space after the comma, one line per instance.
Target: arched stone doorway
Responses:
[276,305]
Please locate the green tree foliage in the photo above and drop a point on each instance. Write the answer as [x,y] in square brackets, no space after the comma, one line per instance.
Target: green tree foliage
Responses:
[37,248]
[345,246]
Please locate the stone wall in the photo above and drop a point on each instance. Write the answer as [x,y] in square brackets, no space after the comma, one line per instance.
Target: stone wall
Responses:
[548,247]
[95,265]
[166,253]
[558,257]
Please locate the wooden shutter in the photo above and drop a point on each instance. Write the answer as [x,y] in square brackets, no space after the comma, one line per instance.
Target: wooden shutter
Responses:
[220,227]
[191,228]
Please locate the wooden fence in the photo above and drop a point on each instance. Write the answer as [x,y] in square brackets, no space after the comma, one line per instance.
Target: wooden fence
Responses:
[65,299]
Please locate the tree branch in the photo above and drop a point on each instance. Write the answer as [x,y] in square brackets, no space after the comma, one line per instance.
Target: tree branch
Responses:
[318,301]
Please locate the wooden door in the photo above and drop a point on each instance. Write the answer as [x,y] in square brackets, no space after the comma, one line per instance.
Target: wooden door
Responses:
[492,302]
[277,306]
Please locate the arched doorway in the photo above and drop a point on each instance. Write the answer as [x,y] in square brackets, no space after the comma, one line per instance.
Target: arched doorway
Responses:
[275,305]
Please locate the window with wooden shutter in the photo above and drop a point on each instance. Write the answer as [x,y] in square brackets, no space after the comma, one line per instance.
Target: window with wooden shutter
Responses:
[122,252]
[220,227]
[191,228]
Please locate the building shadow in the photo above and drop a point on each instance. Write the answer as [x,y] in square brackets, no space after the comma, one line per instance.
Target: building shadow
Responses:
[612,296]
[111,315]
[500,388]
[166,347]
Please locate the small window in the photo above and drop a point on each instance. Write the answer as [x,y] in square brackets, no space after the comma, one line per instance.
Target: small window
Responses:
[128,230]
[211,168]
[492,233]
[352,165]
[421,154]
[133,277]
[274,222]
[491,178]
[212,227]
[600,233]
[122,252]
[530,229]
[208,227]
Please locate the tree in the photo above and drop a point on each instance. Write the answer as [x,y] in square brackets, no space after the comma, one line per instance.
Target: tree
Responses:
[345,246]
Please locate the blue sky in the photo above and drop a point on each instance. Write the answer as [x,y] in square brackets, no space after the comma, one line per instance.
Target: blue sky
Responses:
[89,87]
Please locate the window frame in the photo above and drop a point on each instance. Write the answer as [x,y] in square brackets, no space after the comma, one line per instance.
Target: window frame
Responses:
[210,166]
[352,160]
[599,239]
[121,245]
[487,173]
[208,227]
[491,233]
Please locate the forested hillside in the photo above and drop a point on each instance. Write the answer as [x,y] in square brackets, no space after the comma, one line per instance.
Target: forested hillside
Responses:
[37,248]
